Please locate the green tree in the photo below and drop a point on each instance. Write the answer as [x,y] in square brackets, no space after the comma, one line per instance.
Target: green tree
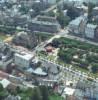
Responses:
[90,9]
[36,94]
[65,56]
[56,43]
[44,92]
[95,67]
[63,20]
[85,4]
[1,88]
[72,12]
[3,93]
[51,13]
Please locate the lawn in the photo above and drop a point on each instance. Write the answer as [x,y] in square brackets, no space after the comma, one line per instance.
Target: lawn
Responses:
[87,60]
[56,97]
[3,36]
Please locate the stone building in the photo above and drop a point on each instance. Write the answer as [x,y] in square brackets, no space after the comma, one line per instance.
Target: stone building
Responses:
[44,24]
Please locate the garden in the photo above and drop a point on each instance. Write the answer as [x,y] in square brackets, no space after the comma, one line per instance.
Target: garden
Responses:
[77,53]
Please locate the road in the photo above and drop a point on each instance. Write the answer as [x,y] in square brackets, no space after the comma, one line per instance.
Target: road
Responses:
[53,7]
[77,73]
[64,33]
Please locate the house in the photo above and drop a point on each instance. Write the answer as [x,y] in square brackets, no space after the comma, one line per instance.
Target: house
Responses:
[95,11]
[23,59]
[50,1]
[5,83]
[47,19]
[91,31]
[77,26]
[68,92]
[80,27]
[92,1]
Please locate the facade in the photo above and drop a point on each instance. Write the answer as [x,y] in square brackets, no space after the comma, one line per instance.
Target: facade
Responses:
[90,31]
[50,1]
[95,11]
[23,60]
[47,19]
[80,27]
[92,1]
[77,26]
[44,24]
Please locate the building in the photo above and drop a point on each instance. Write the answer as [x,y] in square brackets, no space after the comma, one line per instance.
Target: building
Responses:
[50,1]
[95,11]
[80,26]
[44,24]
[77,26]
[23,59]
[5,83]
[47,19]
[92,1]
[47,82]
[90,31]
[38,72]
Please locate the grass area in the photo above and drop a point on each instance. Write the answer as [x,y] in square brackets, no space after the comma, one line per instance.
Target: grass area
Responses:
[56,97]
[81,69]
[3,36]
[43,35]
[87,54]
[51,57]
[94,75]
[42,54]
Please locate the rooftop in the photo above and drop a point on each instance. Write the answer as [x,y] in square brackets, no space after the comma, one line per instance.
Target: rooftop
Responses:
[37,71]
[77,20]
[5,83]
[47,17]
[96,8]
[91,26]
[43,22]
[69,91]
[25,56]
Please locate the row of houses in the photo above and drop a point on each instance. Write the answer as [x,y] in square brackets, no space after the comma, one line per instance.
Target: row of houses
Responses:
[80,27]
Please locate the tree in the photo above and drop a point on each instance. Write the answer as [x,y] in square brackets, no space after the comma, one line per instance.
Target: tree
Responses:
[94,67]
[3,93]
[65,56]
[90,9]
[57,1]
[63,20]
[51,13]
[72,12]
[1,88]
[44,92]
[23,9]
[85,4]
[65,6]
[55,43]
[37,8]
[36,94]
